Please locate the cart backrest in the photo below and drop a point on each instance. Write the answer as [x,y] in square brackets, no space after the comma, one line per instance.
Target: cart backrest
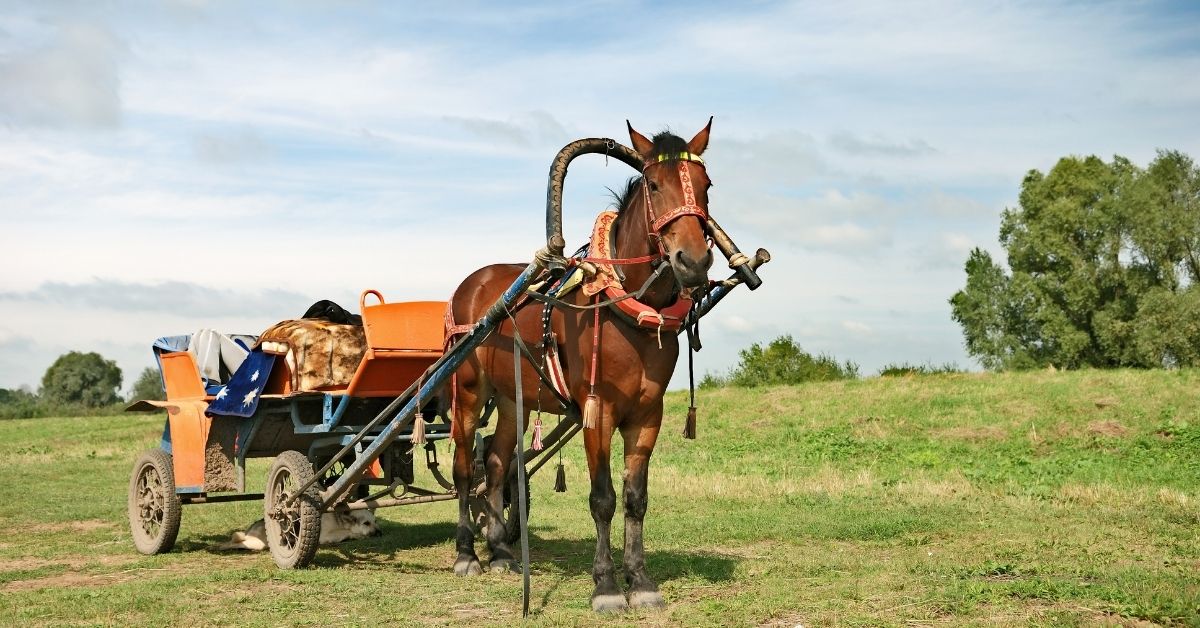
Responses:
[412,325]
[403,339]
[181,377]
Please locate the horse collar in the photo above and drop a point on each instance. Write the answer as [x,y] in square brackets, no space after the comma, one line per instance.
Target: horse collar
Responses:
[631,310]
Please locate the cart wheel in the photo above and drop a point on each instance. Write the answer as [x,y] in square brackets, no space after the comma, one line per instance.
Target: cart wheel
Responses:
[512,523]
[154,508]
[292,529]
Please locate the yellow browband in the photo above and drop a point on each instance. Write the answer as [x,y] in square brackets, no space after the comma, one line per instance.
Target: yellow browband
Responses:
[681,156]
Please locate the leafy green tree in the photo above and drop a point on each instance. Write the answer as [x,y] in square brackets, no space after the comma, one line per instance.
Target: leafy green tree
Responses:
[148,386]
[782,361]
[82,378]
[1105,263]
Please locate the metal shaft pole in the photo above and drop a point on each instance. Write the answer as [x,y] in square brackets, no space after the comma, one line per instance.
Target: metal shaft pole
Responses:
[441,371]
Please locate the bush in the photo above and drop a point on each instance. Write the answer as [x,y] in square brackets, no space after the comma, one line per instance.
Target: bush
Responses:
[782,361]
[148,386]
[85,379]
[901,369]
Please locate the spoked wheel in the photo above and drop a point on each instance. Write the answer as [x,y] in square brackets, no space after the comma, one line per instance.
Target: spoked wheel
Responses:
[510,520]
[154,508]
[293,529]
[336,472]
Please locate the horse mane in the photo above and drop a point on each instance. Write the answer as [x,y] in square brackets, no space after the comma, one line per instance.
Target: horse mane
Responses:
[665,143]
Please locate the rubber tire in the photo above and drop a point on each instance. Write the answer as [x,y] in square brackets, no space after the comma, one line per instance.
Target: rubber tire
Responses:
[512,523]
[158,462]
[306,526]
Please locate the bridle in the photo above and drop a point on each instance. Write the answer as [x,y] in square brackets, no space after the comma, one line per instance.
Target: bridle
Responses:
[655,224]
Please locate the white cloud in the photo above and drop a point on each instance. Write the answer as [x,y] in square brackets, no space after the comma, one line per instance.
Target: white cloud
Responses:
[320,151]
[855,327]
[71,81]
[846,237]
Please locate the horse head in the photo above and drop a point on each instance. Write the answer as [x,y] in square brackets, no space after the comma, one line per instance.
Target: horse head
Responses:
[675,195]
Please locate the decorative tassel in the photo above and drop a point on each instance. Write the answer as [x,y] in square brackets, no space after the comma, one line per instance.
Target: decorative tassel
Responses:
[560,479]
[689,428]
[418,429]
[537,434]
[591,412]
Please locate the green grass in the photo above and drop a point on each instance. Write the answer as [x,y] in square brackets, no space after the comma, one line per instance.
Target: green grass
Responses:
[1040,498]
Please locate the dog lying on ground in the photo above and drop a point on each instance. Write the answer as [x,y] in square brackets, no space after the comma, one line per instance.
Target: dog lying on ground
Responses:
[337,526]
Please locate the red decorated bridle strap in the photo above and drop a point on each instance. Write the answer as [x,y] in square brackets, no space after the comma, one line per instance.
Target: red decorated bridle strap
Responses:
[689,208]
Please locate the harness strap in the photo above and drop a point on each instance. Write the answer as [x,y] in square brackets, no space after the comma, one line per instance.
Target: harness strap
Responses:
[522,497]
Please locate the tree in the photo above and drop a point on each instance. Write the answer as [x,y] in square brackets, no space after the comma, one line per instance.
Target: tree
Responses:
[782,361]
[148,386]
[82,378]
[1105,265]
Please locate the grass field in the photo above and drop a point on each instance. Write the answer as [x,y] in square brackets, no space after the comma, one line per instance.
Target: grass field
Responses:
[1039,498]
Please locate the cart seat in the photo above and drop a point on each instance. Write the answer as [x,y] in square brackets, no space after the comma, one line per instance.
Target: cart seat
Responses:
[403,339]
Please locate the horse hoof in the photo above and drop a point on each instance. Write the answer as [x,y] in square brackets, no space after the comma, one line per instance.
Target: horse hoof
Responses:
[503,565]
[646,599]
[609,603]
[467,567]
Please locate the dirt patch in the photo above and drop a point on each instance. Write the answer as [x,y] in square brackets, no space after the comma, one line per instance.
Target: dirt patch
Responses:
[1107,428]
[1105,402]
[74,579]
[974,434]
[87,525]
[26,563]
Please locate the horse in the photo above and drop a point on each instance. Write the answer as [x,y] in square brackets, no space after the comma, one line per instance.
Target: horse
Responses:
[661,219]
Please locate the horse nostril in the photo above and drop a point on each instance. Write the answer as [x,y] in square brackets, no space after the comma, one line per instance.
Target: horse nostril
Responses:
[708,260]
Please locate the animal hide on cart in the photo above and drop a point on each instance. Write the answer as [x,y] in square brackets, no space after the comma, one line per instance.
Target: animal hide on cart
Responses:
[320,355]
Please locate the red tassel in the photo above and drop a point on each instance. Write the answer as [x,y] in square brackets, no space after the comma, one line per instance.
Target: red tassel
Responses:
[689,427]
[537,434]
[418,429]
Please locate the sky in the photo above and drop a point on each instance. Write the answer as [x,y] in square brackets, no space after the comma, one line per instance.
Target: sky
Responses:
[178,165]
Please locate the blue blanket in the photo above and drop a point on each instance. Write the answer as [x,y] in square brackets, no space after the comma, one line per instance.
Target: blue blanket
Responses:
[240,396]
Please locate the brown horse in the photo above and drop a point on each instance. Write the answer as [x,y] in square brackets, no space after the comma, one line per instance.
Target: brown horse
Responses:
[633,367]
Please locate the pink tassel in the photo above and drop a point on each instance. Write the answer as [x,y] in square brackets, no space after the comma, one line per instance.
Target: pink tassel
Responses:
[418,429]
[537,434]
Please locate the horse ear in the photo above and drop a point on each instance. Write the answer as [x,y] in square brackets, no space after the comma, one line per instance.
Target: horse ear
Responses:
[697,145]
[643,146]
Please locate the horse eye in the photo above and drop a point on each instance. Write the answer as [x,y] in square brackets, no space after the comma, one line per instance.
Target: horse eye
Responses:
[653,186]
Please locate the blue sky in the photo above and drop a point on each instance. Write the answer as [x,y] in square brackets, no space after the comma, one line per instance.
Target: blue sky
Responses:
[194,164]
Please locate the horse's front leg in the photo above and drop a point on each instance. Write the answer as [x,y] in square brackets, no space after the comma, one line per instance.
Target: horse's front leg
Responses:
[639,443]
[603,500]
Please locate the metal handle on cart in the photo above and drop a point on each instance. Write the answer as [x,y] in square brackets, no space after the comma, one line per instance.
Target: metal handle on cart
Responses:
[362,300]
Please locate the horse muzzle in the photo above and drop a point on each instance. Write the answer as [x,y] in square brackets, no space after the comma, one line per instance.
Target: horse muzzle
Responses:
[689,272]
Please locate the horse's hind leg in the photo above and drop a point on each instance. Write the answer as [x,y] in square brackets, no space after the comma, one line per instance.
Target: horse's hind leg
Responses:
[603,500]
[466,419]
[499,456]
[639,443]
